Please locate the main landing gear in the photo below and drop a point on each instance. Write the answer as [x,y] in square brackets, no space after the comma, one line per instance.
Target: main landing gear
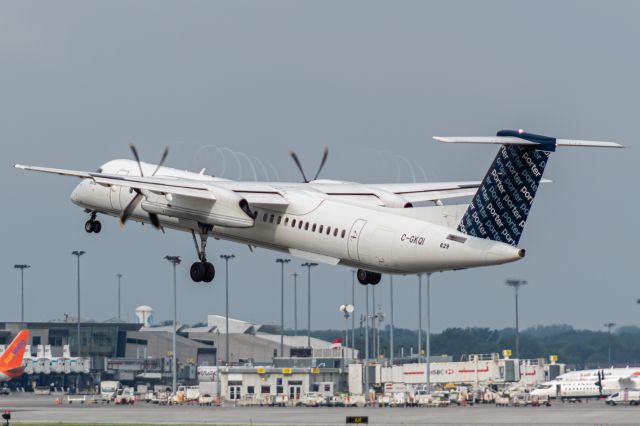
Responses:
[93,225]
[367,277]
[202,271]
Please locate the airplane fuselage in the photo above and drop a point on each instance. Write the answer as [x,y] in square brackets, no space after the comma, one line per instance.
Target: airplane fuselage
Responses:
[311,226]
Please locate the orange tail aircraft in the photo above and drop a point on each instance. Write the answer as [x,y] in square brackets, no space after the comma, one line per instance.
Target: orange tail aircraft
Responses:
[11,359]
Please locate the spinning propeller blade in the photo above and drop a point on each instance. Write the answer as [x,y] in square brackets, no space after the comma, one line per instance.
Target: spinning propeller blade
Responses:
[137,199]
[325,155]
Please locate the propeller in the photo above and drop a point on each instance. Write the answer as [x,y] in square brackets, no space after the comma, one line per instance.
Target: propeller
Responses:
[135,201]
[599,382]
[325,155]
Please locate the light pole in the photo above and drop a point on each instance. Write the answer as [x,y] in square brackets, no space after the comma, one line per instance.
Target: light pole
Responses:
[226,258]
[353,302]
[309,265]
[174,260]
[119,275]
[366,344]
[428,351]
[282,262]
[391,343]
[295,303]
[609,326]
[419,317]
[78,253]
[516,284]
[346,310]
[22,267]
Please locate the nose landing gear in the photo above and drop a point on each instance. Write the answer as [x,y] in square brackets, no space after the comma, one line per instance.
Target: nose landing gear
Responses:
[202,271]
[367,277]
[93,225]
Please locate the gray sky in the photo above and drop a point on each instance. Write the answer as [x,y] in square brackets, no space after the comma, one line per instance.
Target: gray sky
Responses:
[80,80]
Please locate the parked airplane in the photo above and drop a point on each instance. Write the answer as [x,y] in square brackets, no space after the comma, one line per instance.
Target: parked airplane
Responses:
[589,383]
[11,359]
[368,227]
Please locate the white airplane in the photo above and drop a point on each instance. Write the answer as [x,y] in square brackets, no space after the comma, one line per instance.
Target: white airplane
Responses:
[590,383]
[368,227]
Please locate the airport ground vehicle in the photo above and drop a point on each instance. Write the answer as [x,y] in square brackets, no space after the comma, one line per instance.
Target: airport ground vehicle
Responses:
[125,396]
[109,388]
[631,397]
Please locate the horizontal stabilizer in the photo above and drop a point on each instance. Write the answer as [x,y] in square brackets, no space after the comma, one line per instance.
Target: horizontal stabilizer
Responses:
[522,138]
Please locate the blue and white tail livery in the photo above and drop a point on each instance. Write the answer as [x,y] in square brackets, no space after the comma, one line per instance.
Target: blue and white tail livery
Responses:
[502,203]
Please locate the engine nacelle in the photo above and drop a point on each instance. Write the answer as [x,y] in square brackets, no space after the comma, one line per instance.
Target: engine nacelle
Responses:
[228,209]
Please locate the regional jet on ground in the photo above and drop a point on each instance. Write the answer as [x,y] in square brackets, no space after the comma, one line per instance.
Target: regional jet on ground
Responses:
[11,359]
[365,226]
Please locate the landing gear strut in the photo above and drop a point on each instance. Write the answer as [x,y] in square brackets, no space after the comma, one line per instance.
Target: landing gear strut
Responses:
[367,277]
[93,225]
[202,271]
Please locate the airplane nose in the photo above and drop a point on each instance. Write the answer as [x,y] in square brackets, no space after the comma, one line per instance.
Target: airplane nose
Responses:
[75,196]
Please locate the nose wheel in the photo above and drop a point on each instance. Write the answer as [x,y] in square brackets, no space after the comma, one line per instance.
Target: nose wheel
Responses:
[202,271]
[93,225]
[367,277]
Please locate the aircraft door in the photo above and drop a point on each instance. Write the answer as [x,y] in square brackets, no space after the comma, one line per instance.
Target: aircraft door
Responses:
[114,193]
[354,237]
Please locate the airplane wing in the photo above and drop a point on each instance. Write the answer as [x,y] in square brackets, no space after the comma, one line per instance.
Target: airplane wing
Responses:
[256,194]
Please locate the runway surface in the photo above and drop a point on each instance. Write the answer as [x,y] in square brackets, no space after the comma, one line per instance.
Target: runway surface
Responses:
[28,408]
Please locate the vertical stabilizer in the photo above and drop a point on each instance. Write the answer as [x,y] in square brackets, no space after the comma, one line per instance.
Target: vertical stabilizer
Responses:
[11,359]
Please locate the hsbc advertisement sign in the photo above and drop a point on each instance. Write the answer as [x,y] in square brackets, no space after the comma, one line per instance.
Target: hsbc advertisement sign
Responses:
[449,372]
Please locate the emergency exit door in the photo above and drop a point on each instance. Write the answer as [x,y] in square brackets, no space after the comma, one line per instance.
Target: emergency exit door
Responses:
[354,237]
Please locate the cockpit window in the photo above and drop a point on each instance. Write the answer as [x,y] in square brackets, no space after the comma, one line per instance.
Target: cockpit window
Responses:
[544,386]
[99,170]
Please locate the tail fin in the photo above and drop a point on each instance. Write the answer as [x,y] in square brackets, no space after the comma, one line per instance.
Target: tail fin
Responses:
[502,203]
[11,359]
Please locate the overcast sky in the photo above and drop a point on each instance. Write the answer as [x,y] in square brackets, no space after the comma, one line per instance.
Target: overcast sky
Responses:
[374,81]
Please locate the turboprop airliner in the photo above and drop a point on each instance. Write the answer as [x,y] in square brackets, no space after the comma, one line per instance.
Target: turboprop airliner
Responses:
[590,383]
[11,359]
[370,227]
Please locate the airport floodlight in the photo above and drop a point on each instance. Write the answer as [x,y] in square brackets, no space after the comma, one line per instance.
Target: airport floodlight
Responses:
[22,267]
[282,262]
[309,265]
[78,253]
[295,303]
[609,326]
[516,284]
[347,310]
[175,261]
[119,275]
[227,258]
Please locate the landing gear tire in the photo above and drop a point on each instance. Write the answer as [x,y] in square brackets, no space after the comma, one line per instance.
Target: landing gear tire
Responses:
[202,272]
[366,277]
[197,271]
[209,272]
[363,276]
[96,226]
[88,226]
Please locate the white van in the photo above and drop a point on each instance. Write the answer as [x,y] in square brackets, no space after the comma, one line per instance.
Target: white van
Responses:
[629,396]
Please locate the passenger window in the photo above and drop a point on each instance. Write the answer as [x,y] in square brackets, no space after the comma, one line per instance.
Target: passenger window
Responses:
[335,232]
[328,230]
[271,218]
[343,233]
[306,226]
[313,228]
[286,220]
[264,217]
[279,219]
[293,223]
[300,224]
[320,230]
